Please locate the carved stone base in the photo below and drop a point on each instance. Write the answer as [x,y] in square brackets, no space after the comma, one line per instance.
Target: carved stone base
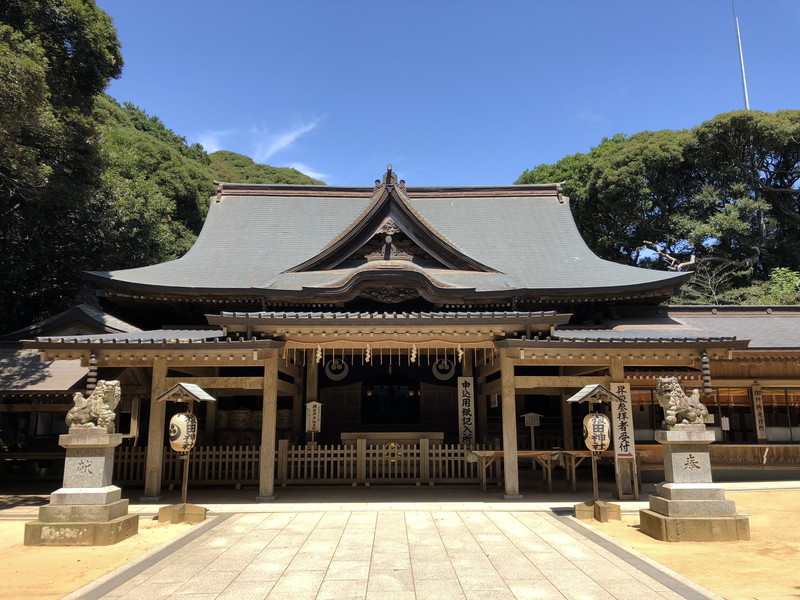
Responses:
[694,529]
[88,510]
[83,513]
[182,513]
[693,508]
[600,511]
[38,533]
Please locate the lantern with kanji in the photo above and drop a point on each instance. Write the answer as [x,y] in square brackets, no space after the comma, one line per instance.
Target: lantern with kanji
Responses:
[596,432]
[182,432]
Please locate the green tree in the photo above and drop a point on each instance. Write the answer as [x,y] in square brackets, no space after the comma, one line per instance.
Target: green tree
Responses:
[56,56]
[751,160]
[726,193]
[156,188]
[237,168]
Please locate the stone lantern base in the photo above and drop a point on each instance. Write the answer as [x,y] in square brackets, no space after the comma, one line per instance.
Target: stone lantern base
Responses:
[694,529]
[688,507]
[82,517]
[88,510]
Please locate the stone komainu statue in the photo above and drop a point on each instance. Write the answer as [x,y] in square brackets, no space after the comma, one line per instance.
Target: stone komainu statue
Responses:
[97,410]
[678,407]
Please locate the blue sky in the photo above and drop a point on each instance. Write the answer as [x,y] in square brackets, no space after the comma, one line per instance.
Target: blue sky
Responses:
[450,93]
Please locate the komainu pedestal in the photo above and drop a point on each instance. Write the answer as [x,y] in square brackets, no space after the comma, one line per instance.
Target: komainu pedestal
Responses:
[688,506]
[87,510]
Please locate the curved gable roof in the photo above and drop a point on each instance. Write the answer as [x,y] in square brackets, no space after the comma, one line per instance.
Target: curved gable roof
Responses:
[279,241]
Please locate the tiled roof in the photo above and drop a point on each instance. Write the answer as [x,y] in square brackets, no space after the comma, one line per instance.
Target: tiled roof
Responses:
[524,235]
[402,316]
[92,317]
[21,370]
[632,337]
[765,327]
[160,336]
[762,326]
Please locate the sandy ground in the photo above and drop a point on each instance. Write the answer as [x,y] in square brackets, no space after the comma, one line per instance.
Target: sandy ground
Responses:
[39,573]
[765,567]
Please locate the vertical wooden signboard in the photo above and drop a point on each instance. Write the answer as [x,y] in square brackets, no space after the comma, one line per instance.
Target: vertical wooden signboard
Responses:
[466,410]
[624,444]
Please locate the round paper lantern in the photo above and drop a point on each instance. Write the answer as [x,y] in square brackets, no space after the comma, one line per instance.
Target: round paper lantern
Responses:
[596,431]
[182,432]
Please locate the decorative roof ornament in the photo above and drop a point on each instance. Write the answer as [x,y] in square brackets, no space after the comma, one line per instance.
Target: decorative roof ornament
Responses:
[389,227]
[389,294]
[389,178]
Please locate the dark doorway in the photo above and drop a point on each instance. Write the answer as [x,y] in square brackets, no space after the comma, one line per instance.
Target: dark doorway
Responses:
[390,400]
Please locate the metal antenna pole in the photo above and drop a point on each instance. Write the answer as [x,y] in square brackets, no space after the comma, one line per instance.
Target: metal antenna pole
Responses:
[741,57]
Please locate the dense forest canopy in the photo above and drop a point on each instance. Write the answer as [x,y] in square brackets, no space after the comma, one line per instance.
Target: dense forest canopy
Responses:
[87,183]
[722,198]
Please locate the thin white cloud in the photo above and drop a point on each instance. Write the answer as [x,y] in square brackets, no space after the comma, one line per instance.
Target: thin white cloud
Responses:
[271,144]
[211,140]
[306,170]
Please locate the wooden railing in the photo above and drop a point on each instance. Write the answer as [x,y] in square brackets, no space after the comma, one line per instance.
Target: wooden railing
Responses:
[421,463]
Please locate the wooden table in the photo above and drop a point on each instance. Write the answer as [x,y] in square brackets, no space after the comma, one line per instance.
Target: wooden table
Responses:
[543,457]
[572,459]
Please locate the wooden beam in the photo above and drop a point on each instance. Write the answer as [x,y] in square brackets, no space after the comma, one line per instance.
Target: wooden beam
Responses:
[13,408]
[532,382]
[600,359]
[291,370]
[484,371]
[220,383]
[233,383]
[495,387]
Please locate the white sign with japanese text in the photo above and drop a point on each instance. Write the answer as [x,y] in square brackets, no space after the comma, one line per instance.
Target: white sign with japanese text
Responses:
[313,417]
[758,411]
[466,410]
[622,422]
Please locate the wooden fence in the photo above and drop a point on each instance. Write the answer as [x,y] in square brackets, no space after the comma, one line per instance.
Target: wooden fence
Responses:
[363,463]
[726,456]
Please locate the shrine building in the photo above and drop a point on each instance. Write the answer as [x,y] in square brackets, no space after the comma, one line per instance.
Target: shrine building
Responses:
[426,323]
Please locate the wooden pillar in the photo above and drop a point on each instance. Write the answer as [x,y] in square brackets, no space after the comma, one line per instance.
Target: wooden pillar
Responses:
[211,422]
[625,468]
[510,463]
[566,423]
[298,411]
[266,462]
[155,434]
[312,378]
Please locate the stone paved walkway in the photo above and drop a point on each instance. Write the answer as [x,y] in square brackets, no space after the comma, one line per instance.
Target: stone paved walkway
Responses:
[393,555]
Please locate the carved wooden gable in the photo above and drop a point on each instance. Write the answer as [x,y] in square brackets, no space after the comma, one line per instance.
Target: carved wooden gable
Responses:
[391,230]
